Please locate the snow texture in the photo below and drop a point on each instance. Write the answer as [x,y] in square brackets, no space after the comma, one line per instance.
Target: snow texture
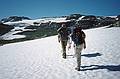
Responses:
[45,20]
[42,58]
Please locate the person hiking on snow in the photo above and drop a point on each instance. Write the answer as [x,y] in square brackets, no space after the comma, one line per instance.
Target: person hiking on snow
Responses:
[63,37]
[78,37]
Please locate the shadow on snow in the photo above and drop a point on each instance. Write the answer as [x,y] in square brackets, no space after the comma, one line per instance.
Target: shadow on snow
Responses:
[89,55]
[92,55]
[96,67]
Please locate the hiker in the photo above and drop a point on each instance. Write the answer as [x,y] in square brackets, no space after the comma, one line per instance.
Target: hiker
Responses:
[63,37]
[78,37]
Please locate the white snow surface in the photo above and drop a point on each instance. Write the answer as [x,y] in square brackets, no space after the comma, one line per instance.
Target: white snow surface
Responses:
[10,35]
[42,58]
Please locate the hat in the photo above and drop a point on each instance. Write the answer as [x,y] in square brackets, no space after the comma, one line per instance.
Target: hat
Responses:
[63,25]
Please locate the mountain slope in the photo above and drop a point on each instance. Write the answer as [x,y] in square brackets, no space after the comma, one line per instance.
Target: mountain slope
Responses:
[41,58]
[14,18]
[5,28]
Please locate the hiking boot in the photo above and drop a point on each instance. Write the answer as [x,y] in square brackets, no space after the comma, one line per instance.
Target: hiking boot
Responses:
[64,55]
[77,68]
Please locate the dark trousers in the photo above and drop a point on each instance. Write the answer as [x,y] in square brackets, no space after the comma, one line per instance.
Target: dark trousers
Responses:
[63,44]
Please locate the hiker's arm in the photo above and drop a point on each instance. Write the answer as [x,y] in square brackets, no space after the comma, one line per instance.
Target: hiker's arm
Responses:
[59,33]
[84,44]
[84,41]
[84,36]
[58,37]
[69,41]
[69,38]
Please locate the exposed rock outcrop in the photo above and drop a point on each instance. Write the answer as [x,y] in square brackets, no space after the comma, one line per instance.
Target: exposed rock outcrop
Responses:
[5,28]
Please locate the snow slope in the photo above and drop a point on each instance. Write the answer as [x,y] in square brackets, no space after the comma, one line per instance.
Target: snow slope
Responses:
[41,58]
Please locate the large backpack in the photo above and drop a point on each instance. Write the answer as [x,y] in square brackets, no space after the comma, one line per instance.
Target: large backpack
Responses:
[78,36]
[63,33]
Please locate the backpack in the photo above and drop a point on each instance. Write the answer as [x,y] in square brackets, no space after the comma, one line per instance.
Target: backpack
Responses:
[78,36]
[63,33]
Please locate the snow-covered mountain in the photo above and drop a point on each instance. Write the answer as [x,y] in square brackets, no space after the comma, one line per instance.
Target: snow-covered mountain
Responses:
[85,20]
[31,25]
[41,58]
[14,18]
[25,21]
[22,24]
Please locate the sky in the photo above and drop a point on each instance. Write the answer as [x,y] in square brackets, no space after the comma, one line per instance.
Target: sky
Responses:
[48,8]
